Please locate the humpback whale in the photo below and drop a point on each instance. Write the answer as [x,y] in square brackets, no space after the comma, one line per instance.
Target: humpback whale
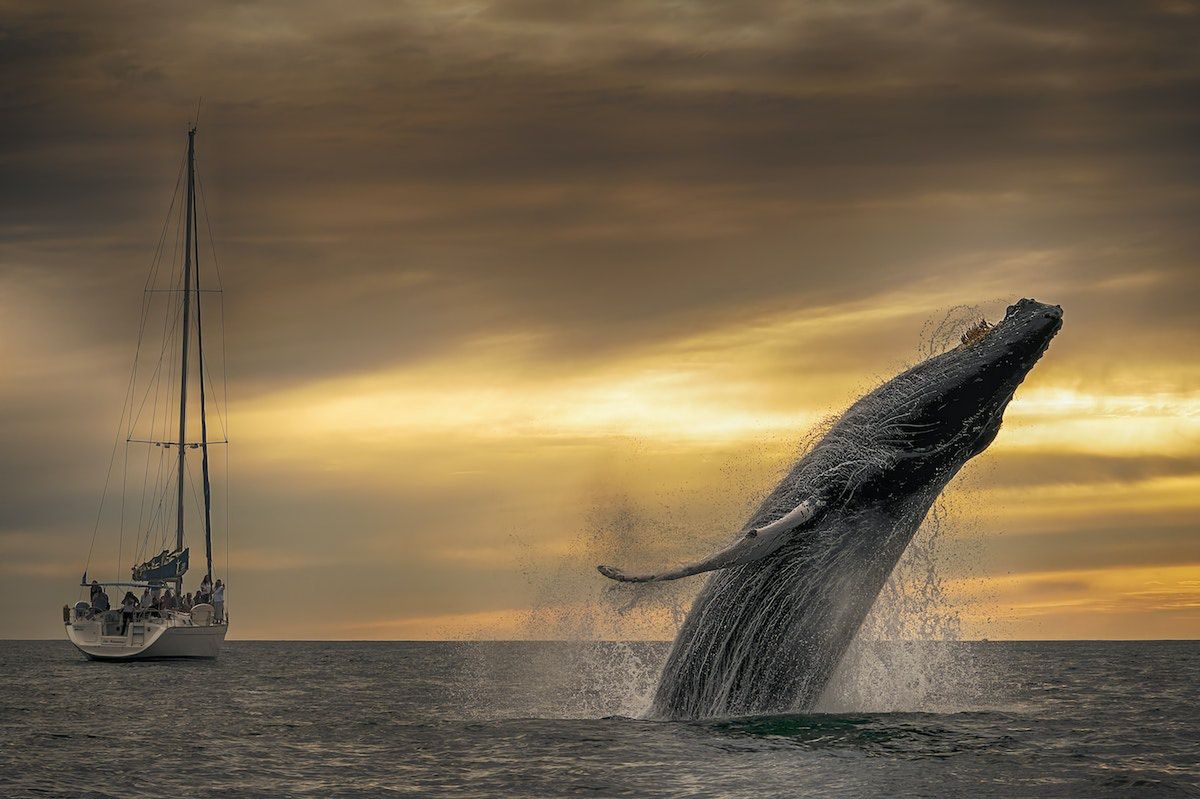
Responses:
[787,596]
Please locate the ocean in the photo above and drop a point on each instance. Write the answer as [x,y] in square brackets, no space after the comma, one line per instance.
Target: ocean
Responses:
[549,719]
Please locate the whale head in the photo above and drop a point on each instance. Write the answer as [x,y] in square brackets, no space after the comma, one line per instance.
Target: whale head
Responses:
[952,404]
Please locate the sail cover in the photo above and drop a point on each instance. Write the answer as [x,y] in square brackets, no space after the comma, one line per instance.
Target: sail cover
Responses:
[163,566]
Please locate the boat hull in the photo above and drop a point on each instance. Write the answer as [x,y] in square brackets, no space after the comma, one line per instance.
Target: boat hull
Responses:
[158,643]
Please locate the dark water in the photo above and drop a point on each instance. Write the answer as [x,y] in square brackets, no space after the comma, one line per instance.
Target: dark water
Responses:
[528,719]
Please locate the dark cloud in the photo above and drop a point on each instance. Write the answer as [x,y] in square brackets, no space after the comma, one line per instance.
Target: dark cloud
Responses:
[603,175]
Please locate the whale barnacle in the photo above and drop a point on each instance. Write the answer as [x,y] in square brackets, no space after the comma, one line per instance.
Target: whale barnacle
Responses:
[976,333]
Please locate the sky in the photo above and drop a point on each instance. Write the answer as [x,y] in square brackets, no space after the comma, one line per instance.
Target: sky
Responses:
[516,288]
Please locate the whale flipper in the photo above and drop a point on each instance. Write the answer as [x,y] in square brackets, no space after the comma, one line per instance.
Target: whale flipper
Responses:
[756,544]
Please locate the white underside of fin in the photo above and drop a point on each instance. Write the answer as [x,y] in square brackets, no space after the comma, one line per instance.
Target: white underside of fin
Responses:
[754,545]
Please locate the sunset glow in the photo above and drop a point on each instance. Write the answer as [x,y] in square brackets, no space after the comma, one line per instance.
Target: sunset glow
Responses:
[510,292]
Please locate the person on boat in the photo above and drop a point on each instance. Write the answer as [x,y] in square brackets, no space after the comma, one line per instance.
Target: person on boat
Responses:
[168,600]
[100,601]
[146,600]
[93,590]
[187,603]
[206,588]
[128,605]
[218,601]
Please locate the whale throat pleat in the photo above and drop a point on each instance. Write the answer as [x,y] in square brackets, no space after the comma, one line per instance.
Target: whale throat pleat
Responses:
[755,544]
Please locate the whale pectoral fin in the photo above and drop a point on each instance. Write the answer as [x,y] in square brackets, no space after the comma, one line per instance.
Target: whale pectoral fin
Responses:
[756,544]
[620,576]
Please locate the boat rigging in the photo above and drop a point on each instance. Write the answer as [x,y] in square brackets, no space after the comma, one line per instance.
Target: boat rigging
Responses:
[164,623]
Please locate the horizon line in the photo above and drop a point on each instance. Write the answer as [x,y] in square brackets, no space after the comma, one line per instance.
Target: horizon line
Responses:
[638,640]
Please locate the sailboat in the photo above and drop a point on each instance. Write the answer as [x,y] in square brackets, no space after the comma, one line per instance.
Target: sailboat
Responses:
[150,616]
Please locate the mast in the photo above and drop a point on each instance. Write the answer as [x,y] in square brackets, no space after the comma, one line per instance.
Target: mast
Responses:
[187,307]
[203,420]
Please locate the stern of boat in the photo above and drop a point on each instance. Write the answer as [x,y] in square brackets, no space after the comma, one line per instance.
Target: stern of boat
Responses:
[151,634]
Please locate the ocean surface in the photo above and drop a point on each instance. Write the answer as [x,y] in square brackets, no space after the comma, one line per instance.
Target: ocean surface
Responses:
[1090,719]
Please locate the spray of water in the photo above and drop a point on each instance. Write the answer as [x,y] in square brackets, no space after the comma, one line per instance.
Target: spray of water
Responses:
[599,654]
[610,669]
[615,630]
[906,656]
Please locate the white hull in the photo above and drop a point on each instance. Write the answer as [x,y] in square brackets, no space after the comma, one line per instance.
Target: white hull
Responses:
[172,637]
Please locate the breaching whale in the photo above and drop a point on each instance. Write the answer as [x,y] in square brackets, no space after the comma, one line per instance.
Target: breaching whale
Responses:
[788,595]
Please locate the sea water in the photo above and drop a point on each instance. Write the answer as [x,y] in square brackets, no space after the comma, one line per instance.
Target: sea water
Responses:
[548,719]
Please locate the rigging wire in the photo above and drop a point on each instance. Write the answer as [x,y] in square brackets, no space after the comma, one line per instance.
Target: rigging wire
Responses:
[167,339]
[171,322]
[212,245]
[128,393]
[155,264]
[224,361]
[162,398]
[152,507]
[129,398]
[121,524]
[220,291]
[191,480]
[174,383]
[155,383]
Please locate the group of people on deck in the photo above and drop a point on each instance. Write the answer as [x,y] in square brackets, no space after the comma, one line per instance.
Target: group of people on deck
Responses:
[158,598]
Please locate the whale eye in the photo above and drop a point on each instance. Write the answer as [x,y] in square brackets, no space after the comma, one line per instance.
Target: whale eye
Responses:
[976,333]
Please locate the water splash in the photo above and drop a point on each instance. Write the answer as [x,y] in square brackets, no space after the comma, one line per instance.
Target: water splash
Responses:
[570,604]
[607,653]
[941,332]
[904,657]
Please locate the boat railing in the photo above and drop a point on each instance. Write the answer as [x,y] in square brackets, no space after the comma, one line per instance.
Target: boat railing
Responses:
[114,616]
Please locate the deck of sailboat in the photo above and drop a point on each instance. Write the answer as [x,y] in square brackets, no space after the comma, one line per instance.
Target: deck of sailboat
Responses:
[150,635]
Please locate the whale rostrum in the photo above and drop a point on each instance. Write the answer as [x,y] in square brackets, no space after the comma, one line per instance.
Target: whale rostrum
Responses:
[784,600]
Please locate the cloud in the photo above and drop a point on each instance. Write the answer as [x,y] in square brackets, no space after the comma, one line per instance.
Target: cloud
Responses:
[1134,602]
[487,263]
